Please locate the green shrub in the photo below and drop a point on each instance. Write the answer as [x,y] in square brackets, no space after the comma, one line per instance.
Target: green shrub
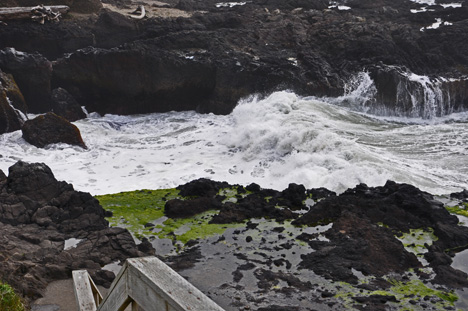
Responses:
[9,300]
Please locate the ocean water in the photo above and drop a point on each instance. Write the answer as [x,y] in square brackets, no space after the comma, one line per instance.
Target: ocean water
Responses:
[272,141]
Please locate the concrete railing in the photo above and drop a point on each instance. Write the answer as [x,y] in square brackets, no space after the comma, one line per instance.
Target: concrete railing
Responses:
[144,284]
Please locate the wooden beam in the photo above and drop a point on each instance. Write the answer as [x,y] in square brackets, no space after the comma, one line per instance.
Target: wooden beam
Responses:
[86,293]
[25,12]
[150,284]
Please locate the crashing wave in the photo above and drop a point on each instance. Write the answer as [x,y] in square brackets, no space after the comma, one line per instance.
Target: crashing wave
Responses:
[395,91]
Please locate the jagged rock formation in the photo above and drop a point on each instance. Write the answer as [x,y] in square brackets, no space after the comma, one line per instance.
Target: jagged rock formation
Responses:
[32,73]
[354,238]
[11,100]
[39,216]
[365,222]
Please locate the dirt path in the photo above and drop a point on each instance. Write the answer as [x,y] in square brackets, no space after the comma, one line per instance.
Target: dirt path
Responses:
[59,296]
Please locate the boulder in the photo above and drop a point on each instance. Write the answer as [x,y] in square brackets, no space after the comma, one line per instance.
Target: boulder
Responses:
[33,73]
[51,129]
[65,105]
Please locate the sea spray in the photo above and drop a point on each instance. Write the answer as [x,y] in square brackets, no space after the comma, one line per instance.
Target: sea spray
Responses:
[272,141]
[395,91]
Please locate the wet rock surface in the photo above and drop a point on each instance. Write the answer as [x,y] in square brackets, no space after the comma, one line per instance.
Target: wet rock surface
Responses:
[32,72]
[10,121]
[362,248]
[297,249]
[51,129]
[49,230]
[65,105]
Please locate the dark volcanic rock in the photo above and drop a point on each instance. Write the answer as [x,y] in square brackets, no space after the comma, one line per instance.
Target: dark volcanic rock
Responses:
[214,56]
[182,209]
[32,73]
[352,238]
[51,39]
[38,217]
[295,194]
[253,206]
[201,188]
[462,195]
[64,105]
[9,119]
[357,241]
[51,129]
[135,80]
[114,29]
[33,195]
[359,244]
[13,92]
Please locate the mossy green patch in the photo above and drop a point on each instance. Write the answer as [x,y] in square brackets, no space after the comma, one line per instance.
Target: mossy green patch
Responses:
[232,194]
[461,209]
[186,229]
[417,241]
[419,289]
[9,300]
[407,293]
[134,209]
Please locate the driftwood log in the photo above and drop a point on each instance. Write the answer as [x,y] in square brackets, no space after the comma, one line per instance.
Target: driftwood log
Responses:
[27,12]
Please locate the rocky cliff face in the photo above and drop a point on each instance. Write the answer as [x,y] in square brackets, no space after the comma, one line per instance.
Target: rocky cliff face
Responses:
[49,229]
[212,54]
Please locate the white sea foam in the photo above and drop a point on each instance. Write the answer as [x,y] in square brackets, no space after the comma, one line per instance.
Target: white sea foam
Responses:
[437,24]
[451,5]
[426,2]
[229,4]
[272,141]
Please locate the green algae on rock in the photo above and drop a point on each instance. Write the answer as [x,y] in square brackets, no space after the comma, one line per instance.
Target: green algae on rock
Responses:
[417,241]
[142,213]
[135,209]
[409,294]
[461,209]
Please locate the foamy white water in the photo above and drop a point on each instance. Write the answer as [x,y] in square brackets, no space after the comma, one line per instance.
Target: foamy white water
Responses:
[273,142]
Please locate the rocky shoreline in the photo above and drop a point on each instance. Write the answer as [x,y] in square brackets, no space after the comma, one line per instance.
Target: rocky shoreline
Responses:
[255,249]
[49,230]
[367,248]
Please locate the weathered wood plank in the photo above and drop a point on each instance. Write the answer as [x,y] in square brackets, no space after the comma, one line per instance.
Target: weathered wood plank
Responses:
[84,293]
[165,282]
[149,284]
[25,12]
[143,293]
[117,297]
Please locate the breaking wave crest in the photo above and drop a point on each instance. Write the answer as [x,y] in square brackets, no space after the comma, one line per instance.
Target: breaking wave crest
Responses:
[271,141]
